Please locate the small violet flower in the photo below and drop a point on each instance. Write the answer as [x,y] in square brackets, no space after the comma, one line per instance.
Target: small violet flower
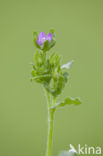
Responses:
[42,38]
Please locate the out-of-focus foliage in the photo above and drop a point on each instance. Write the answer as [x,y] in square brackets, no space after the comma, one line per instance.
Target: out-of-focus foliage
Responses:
[67,153]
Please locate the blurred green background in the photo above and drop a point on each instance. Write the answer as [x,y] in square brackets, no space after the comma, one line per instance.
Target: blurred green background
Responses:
[23,111]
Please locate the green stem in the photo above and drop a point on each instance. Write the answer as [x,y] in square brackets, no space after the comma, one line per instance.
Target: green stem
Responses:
[50,126]
[50,133]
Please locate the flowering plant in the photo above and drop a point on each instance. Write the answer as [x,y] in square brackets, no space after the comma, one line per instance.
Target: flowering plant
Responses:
[48,71]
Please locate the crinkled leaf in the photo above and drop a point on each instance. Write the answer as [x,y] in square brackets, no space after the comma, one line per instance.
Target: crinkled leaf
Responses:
[68,101]
[67,65]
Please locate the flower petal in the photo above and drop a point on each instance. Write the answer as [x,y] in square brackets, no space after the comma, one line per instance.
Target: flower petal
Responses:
[49,37]
[41,38]
[42,35]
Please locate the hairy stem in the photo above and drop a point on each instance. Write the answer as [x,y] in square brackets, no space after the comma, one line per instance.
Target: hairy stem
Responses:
[50,133]
[50,126]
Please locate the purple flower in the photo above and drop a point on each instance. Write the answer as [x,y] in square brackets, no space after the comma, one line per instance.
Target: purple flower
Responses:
[42,38]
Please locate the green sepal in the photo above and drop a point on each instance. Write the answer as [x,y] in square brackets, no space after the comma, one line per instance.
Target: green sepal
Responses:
[48,45]
[35,36]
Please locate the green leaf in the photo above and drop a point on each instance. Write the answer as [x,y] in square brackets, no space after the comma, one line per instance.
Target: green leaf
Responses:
[67,65]
[68,101]
[39,58]
[60,83]
[47,87]
[34,73]
[55,60]
[41,78]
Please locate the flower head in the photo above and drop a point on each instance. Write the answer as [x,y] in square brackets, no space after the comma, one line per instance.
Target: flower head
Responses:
[42,38]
